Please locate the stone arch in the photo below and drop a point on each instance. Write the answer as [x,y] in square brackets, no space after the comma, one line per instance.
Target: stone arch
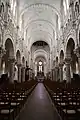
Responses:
[44,65]
[71,59]
[62,66]
[38,41]
[8,59]
[57,60]
[9,48]
[26,63]
[18,65]
[23,61]
[61,56]
[18,57]
[70,47]
[9,53]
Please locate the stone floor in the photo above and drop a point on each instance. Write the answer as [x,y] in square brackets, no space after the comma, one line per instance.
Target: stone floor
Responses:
[39,106]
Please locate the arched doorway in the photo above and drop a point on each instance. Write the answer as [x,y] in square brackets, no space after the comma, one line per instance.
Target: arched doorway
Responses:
[40,67]
[9,59]
[40,70]
[23,61]
[71,60]
[18,65]
[18,57]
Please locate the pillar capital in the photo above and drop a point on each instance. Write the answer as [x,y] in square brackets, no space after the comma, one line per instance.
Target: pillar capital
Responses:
[71,3]
[77,52]
[23,67]
[2,52]
[11,60]
[61,64]
[19,65]
[67,60]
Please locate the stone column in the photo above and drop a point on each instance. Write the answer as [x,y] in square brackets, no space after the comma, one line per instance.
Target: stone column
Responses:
[61,71]
[0,64]
[19,72]
[52,74]
[23,74]
[56,73]
[77,52]
[11,64]
[79,64]
[2,52]
[68,74]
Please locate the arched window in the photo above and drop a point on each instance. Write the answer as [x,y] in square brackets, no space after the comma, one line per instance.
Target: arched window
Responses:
[40,66]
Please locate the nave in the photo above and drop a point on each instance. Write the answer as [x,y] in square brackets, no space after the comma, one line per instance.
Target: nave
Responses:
[39,106]
[39,42]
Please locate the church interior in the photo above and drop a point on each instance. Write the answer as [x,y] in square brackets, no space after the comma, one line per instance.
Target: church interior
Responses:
[39,59]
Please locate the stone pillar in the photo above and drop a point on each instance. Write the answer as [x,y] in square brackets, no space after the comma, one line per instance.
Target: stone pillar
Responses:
[0,64]
[11,64]
[61,71]
[2,52]
[52,74]
[23,74]
[77,52]
[56,73]
[19,72]
[54,78]
[79,64]
[68,74]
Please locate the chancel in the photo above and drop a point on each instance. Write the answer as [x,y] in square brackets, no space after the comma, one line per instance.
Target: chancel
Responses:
[39,59]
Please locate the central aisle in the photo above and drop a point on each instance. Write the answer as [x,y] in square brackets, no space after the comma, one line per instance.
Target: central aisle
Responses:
[38,106]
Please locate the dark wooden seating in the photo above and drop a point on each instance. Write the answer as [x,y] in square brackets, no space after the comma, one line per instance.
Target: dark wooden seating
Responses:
[13,98]
[66,99]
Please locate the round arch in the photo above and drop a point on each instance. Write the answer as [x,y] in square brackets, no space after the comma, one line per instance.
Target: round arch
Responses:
[61,56]
[7,59]
[18,57]
[23,60]
[37,65]
[9,48]
[72,56]
[52,7]
[70,47]
[57,60]
[39,40]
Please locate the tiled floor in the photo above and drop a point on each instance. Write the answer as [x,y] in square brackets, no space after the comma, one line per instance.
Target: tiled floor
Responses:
[38,106]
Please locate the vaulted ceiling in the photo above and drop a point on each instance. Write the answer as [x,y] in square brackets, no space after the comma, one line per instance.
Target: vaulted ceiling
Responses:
[39,19]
